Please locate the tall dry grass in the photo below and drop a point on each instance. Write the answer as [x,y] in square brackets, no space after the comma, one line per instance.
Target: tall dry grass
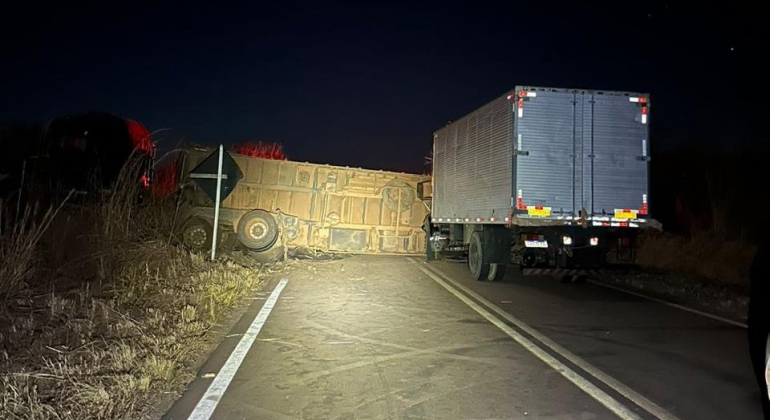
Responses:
[19,239]
[703,255]
[107,341]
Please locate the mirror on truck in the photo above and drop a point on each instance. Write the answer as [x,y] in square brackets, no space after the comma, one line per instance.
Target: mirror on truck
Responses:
[425,190]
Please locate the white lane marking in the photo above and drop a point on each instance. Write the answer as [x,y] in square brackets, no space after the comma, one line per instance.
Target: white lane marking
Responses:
[208,402]
[602,397]
[673,305]
[613,383]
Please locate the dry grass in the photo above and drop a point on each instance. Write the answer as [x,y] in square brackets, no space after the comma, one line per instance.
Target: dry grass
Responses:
[107,344]
[19,239]
[702,256]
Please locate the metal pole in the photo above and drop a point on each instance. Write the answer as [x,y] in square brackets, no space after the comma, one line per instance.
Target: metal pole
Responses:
[216,204]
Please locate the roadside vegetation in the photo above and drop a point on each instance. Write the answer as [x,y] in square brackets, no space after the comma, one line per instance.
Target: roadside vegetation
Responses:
[710,207]
[101,312]
[702,255]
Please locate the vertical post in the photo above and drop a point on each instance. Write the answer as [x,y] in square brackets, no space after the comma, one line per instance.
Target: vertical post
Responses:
[216,204]
[21,188]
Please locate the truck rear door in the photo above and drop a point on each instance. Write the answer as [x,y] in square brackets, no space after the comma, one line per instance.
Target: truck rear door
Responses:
[580,150]
[618,155]
[544,153]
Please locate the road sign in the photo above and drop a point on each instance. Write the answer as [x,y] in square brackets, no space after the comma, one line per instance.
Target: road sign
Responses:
[205,174]
[217,176]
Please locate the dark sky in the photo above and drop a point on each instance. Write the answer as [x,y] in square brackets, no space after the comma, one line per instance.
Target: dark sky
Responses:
[367,83]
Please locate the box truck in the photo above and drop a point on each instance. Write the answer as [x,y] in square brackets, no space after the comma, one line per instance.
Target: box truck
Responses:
[544,179]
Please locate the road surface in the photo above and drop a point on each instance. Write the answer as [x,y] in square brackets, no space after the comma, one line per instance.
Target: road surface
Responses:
[388,337]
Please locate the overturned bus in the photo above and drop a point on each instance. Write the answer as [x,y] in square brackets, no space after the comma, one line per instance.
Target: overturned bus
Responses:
[284,204]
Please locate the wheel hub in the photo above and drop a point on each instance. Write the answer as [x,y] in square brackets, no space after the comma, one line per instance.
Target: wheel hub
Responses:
[195,236]
[258,230]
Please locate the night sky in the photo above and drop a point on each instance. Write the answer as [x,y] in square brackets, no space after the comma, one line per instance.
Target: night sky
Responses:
[366,83]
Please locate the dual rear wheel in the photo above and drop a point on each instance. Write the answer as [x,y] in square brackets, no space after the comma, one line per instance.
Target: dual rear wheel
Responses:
[257,231]
[488,253]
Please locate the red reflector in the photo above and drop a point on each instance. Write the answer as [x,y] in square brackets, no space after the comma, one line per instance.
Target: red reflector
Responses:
[521,103]
[623,224]
[605,223]
[538,207]
[643,210]
[522,94]
[520,204]
[643,100]
[626,210]
[644,110]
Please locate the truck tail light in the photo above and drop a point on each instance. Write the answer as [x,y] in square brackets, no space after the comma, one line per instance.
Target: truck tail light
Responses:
[643,210]
[520,201]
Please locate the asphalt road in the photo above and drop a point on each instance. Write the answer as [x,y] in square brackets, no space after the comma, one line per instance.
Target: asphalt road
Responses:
[389,337]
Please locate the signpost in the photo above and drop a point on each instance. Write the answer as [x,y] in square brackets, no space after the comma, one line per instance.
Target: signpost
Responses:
[217,183]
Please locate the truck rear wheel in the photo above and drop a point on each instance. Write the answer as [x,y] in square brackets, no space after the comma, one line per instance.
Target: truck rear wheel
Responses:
[196,234]
[267,256]
[258,230]
[430,252]
[488,253]
[478,257]
[496,272]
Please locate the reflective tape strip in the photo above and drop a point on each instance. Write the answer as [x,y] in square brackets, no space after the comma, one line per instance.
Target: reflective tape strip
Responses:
[557,271]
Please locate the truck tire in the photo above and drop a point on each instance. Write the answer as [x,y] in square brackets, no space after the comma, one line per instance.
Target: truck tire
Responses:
[196,234]
[430,253]
[579,279]
[496,272]
[257,230]
[267,256]
[497,244]
[478,257]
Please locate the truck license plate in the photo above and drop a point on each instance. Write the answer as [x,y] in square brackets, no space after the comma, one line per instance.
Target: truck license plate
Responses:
[623,214]
[536,243]
[539,212]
